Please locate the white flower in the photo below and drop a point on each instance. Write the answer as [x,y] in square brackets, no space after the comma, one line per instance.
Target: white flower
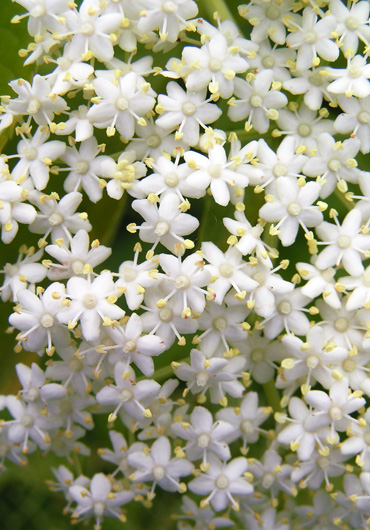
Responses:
[222,482]
[334,409]
[216,66]
[85,169]
[319,282]
[58,218]
[165,224]
[204,436]
[272,475]
[352,81]
[355,120]
[98,500]
[269,19]
[335,162]
[345,243]
[70,72]
[91,31]
[313,84]
[187,110]
[35,158]
[246,420]
[312,38]
[22,273]
[36,318]
[129,345]
[184,280]
[133,396]
[76,260]
[91,303]
[157,466]
[14,210]
[304,126]
[360,287]
[124,175]
[121,104]
[77,123]
[168,16]
[292,206]
[216,172]
[227,271]
[256,101]
[273,58]
[34,386]
[36,101]
[220,376]
[120,452]
[352,24]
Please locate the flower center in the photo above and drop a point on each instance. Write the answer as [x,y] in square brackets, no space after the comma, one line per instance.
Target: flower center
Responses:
[166,314]
[125,395]
[82,167]
[215,170]
[219,324]
[226,270]
[222,482]
[312,361]
[188,108]
[162,228]
[129,274]
[284,308]
[215,64]
[355,71]
[268,61]
[158,472]
[202,378]
[153,140]
[47,320]
[334,165]
[64,63]
[171,179]
[260,277]
[268,480]
[34,106]
[87,28]
[77,267]
[344,242]
[56,219]
[341,324]
[352,23]
[294,209]
[169,7]
[38,11]
[272,12]
[280,170]
[121,103]
[129,346]
[316,79]
[33,394]
[310,37]
[258,355]
[203,440]
[27,421]
[247,427]
[11,270]
[349,365]
[256,100]
[182,282]
[99,508]
[30,153]
[328,274]
[304,129]
[335,413]
[323,462]
[89,301]
[75,365]
[363,117]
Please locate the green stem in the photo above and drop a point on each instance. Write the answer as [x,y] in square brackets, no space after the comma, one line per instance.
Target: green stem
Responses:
[342,199]
[219,6]
[165,371]
[272,395]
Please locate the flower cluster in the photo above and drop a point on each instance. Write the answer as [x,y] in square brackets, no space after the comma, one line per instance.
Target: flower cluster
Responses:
[229,361]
